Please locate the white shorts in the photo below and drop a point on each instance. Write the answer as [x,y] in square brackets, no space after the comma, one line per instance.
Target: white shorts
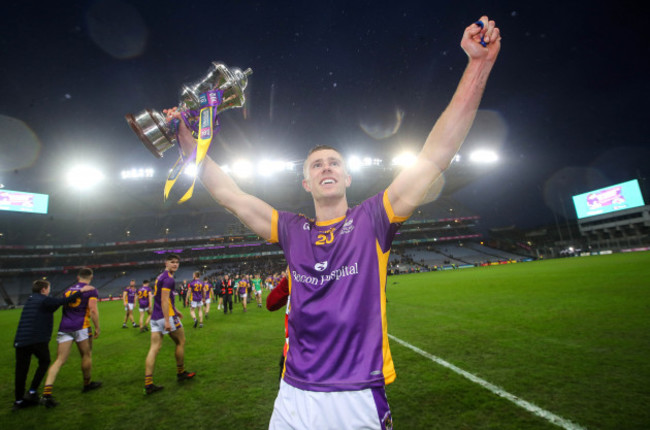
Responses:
[144,310]
[208,301]
[296,408]
[243,296]
[159,325]
[257,293]
[77,336]
[196,304]
[128,307]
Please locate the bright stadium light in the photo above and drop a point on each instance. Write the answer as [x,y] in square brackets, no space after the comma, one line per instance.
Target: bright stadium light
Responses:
[84,177]
[354,163]
[137,173]
[404,160]
[270,167]
[483,156]
[242,169]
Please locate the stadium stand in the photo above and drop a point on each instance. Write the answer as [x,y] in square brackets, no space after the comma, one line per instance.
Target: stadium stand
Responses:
[211,242]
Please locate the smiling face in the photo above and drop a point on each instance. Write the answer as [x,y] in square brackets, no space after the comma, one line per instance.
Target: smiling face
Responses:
[325,174]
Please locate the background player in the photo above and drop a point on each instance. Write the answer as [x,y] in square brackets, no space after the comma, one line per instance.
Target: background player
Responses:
[195,295]
[145,301]
[256,283]
[277,298]
[165,319]
[208,295]
[75,326]
[128,297]
[242,287]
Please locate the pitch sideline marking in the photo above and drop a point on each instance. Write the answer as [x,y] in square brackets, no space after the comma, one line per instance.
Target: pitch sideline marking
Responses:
[549,416]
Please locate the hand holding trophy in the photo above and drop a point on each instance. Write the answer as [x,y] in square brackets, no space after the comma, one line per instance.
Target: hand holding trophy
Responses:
[200,103]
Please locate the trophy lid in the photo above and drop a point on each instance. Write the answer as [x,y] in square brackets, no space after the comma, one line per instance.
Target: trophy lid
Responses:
[218,76]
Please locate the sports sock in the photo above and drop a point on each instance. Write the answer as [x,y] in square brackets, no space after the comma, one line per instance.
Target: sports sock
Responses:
[47,391]
[180,368]
[148,380]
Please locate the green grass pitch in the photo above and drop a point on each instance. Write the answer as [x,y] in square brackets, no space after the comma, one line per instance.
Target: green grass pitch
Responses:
[571,336]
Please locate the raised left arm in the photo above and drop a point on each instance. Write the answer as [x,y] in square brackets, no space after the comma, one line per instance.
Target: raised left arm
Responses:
[410,187]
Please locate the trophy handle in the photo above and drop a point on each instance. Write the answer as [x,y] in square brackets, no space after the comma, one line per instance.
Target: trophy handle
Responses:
[151,128]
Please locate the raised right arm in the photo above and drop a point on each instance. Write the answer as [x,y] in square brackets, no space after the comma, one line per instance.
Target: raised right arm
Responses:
[255,213]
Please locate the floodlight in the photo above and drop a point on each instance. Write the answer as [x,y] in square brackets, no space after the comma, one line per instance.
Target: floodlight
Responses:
[264,168]
[242,168]
[405,159]
[483,156]
[268,167]
[354,163]
[84,177]
[137,173]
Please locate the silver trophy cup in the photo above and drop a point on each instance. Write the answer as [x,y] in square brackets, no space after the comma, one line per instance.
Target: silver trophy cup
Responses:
[151,126]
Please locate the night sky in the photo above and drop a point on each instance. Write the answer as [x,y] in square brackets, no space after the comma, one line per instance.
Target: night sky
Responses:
[566,105]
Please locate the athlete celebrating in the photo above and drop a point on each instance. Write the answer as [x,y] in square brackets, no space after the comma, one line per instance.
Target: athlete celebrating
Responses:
[338,358]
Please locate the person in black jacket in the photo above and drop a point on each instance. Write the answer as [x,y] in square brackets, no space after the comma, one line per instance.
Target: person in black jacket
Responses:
[32,337]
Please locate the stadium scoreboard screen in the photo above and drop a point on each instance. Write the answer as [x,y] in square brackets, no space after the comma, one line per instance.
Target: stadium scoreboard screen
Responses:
[614,198]
[19,201]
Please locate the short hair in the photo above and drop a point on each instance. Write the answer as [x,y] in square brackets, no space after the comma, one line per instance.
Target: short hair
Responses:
[321,148]
[171,257]
[197,274]
[145,282]
[316,148]
[39,285]
[85,272]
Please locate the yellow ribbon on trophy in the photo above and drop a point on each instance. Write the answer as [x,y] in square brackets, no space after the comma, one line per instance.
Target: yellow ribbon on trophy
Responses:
[207,127]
